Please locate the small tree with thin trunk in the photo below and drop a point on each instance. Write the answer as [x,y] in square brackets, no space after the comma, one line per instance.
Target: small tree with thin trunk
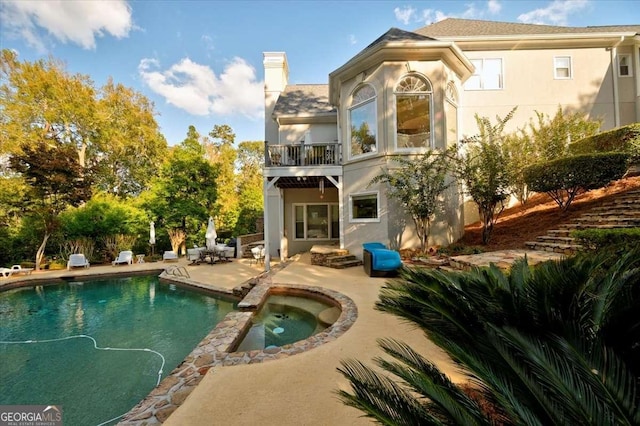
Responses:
[485,172]
[56,180]
[417,184]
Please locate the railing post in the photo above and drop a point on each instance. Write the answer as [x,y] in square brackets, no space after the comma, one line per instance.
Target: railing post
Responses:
[267,157]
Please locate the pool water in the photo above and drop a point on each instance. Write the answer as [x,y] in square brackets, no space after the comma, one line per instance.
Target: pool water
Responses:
[95,385]
[284,320]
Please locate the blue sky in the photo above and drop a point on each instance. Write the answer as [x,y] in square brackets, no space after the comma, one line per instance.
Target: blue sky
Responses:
[200,62]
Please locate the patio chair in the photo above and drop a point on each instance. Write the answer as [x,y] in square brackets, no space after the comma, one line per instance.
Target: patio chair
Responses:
[258,254]
[77,260]
[194,255]
[379,261]
[170,256]
[17,269]
[124,258]
[6,272]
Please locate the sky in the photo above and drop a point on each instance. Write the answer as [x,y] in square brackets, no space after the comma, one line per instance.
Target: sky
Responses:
[200,62]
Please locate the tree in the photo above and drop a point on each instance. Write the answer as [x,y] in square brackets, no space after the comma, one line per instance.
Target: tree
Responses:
[184,194]
[552,136]
[520,153]
[113,130]
[417,184]
[484,170]
[222,154]
[41,101]
[553,345]
[250,195]
[56,180]
[135,147]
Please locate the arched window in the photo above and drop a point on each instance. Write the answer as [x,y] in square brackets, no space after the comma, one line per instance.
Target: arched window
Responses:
[413,95]
[362,121]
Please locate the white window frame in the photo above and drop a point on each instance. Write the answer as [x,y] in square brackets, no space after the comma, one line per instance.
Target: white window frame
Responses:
[353,106]
[556,67]
[629,58]
[428,93]
[480,73]
[329,221]
[364,220]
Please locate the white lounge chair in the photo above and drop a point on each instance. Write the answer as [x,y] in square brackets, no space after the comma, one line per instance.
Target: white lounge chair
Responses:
[124,257]
[77,261]
[194,255]
[170,256]
[6,272]
[17,269]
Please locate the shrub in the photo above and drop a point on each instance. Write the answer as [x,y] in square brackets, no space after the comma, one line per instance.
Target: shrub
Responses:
[622,139]
[623,239]
[564,178]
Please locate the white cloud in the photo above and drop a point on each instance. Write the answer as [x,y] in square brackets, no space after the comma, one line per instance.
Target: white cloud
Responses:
[404,14]
[76,22]
[429,16]
[556,13]
[196,88]
[352,39]
[494,7]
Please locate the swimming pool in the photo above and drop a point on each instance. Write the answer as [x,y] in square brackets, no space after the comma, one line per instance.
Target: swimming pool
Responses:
[97,385]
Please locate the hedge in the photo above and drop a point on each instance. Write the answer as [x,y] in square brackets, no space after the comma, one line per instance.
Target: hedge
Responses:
[564,178]
[621,139]
[603,239]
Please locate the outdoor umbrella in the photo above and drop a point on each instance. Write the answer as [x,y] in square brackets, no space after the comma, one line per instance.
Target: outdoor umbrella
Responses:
[152,235]
[211,235]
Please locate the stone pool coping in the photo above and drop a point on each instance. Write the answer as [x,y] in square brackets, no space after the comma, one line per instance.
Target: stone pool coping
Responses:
[216,349]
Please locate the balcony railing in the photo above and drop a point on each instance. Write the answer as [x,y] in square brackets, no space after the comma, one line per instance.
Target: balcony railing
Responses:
[317,154]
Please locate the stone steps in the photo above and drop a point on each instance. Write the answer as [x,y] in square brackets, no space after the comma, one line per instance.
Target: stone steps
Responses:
[342,262]
[621,212]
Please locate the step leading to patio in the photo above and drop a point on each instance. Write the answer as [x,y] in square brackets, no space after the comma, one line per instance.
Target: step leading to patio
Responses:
[333,257]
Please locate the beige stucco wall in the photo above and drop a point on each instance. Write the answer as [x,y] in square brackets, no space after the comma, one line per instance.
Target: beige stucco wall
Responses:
[530,85]
[320,133]
[395,228]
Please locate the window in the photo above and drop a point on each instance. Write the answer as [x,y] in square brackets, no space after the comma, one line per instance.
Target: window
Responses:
[624,66]
[413,113]
[562,67]
[362,121]
[487,76]
[316,221]
[364,207]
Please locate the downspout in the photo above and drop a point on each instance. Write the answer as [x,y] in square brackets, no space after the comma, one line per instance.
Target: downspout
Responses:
[614,75]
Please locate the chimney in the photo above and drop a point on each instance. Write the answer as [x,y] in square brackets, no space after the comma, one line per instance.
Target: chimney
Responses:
[276,77]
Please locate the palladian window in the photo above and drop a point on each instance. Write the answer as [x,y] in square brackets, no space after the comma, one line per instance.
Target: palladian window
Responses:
[362,120]
[413,113]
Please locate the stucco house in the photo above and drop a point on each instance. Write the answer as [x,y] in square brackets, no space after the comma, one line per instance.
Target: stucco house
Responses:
[410,91]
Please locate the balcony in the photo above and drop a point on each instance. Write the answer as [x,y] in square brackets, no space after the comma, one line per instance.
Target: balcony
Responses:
[316,154]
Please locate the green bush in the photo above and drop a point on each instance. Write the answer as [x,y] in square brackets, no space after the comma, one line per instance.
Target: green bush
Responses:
[622,139]
[566,177]
[623,239]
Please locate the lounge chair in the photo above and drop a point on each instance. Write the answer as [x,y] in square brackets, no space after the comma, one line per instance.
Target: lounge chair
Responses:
[17,269]
[6,272]
[77,261]
[124,257]
[170,256]
[379,261]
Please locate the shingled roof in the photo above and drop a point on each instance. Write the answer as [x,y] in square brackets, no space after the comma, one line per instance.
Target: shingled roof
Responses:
[396,34]
[303,100]
[453,27]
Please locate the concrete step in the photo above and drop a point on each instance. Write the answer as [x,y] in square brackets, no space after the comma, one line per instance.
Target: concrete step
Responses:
[559,232]
[572,226]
